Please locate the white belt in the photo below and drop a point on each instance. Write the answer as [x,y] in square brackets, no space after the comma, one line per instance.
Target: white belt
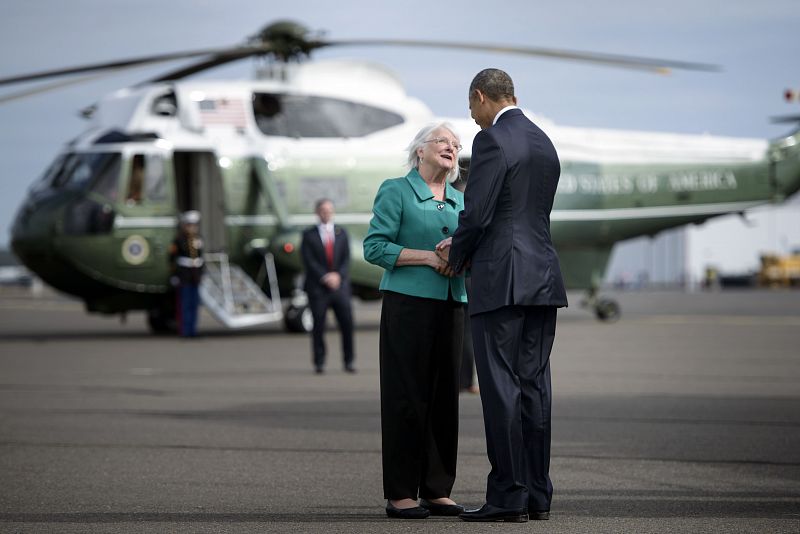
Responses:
[184,261]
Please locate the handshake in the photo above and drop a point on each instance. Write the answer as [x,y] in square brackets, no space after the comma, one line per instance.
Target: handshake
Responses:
[440,260]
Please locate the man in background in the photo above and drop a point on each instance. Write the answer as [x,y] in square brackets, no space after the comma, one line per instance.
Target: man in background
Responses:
[325,250]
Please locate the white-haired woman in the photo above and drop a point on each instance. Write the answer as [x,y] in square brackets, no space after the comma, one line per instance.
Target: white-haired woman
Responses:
[421,332]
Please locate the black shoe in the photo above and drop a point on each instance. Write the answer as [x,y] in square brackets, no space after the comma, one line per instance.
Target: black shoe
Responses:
[417,512]
[350,369]
[539,516]
[319,370]
[442,509]
[487,512]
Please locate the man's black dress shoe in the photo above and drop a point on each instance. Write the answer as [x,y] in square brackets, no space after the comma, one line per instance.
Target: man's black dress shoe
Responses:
[540,516]
[442,509]
[487,512]
[417,512]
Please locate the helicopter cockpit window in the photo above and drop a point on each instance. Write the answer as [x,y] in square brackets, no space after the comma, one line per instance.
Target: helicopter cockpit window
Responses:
[78,170]
[64,174]
[313,116]
[107,181]
[147,179]
[49,175]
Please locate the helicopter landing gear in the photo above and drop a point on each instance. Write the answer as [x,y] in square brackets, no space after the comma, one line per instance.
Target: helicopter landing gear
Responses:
[298,317]
[298,320]
[161,320]
[606,310]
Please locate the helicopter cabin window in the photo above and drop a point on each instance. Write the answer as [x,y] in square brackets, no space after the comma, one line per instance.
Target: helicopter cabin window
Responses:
[147,180]
[313,116]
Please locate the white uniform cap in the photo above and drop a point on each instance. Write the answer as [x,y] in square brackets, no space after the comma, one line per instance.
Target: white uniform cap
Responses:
[190,217]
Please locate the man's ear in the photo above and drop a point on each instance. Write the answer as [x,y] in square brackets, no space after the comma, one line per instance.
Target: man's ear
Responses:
[515,100]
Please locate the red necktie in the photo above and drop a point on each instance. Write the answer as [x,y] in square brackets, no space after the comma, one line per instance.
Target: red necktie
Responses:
[329,248]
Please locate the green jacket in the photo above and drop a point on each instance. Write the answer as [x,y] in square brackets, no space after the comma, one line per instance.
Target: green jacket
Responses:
[405,215]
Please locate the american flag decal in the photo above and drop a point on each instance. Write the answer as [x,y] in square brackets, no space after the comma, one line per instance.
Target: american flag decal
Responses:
[223,111]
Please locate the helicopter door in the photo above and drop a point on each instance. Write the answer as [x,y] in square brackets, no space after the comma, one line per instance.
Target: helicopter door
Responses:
[198,184]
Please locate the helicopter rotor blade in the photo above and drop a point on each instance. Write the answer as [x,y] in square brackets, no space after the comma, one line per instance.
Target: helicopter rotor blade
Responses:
[659,66]
[783,119]
[285,46]
[236,52]
[205,64]
[8,97]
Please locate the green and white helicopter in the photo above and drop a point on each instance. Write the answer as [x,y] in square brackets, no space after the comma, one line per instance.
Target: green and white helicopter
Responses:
[253,157]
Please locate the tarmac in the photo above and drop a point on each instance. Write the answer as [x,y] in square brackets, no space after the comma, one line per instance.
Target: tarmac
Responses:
[684,416]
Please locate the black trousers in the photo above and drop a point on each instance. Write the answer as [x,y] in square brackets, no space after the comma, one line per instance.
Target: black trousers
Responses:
[319,302]
[468,353]
[466,376]
[512,356]
[420,353]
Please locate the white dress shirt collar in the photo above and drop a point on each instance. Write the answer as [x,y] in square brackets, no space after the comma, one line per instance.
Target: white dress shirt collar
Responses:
[325,230]
[501,112]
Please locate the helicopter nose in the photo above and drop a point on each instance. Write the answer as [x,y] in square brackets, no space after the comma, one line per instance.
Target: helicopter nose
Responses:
[31,234]
[34,228]
[37,239]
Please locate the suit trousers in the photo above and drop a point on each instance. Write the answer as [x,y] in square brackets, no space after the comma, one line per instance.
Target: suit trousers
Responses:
[319,302]
[420,353]
[512,357]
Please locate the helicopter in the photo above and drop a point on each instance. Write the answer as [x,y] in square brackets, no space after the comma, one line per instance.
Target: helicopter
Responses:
[253,157]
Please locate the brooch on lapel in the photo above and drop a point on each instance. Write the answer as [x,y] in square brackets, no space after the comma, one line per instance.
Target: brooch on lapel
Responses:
[440,206]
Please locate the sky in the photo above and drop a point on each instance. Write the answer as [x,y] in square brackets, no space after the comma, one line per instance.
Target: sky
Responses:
[755,43]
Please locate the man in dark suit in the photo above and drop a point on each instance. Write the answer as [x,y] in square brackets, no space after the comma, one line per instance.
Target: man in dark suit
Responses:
[504,235]
[326,259]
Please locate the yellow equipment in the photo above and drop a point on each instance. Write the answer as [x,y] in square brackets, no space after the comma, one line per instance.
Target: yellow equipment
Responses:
[780,271]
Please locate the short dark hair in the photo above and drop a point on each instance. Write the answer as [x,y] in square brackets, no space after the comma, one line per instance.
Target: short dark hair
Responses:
[494,83]
[318,204]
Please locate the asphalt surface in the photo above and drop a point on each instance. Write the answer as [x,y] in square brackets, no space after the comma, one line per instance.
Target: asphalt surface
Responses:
[684,416]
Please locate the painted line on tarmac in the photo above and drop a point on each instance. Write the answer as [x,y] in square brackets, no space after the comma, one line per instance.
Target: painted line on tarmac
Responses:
[41,305]
[724,320]
[563,495]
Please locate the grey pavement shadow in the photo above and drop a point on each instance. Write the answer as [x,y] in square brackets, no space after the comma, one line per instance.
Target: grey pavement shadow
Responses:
[682,429]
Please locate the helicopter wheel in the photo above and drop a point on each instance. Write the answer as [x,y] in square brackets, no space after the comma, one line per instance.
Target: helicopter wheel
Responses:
[607,310]
[299,319]
[161,321]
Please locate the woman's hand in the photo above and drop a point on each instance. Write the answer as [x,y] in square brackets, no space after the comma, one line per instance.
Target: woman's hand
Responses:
[443,248]
[444,243]
[440,265]
[430,258]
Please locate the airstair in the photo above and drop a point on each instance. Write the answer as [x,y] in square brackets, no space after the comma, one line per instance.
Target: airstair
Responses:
[233,298]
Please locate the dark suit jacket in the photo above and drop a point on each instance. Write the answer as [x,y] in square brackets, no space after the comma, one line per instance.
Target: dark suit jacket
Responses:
[505,226]
[316,264]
